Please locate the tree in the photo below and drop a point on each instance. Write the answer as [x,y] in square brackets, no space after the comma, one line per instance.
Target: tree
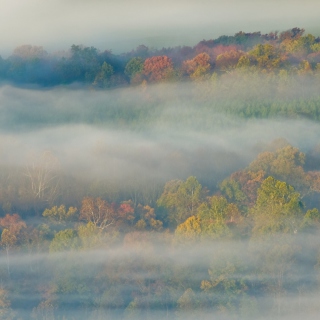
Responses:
[227,286]
[299,47]
[83,65]
[43,176]
[278,208]
[90,236]
[148,219]
[97,211]
[293,33]
[243,62]
[64,240]
[285,163]
[241,188]
[181,199]
[8,240]
[158,68]
[134,66]
[229,60]
[215,219]
[190,230]
[278,219]
[134,70]
[11,234]
[60,215]
[217,216]
[103,214]
[5,310]
[103,77]
[28,52]
[13,223]
[198,66]
[267,56]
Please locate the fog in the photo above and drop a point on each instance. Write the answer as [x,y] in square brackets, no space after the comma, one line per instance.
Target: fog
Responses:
[142,137]
[121,134]
[125,144]
[156,274]
[122,25]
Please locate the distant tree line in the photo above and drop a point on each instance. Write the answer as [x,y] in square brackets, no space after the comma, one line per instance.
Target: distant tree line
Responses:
[290,52]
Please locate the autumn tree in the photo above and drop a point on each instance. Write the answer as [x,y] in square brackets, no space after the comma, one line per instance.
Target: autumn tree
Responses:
[215,219]
[241,188]
[243,62]
[218,217]
[148,219]
[12,227]
[294,33]
[91,236]
[60,215]
[102,214]
[278,208]
[285,163]
[158,68]
[189,230]
[277,218]
[28,52]
[228,60]
[6,312]
[267,56]
[181,199]
[97,211]
[198,66]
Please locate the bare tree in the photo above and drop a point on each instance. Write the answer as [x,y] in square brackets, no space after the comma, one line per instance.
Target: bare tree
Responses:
[42,173]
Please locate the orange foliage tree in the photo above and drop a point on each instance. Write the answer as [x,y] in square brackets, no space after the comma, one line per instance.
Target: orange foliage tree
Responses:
[158,68]
[198,66]
[228,60]
[11,234]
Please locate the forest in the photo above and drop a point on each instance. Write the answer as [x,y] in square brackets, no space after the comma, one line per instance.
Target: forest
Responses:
[170,183]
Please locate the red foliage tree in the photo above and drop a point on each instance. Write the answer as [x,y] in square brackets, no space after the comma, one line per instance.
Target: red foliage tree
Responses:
[157,68]
[228,60]
[198,66]
[13,223]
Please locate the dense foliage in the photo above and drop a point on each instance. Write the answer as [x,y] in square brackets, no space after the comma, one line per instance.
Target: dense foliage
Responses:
[287,53]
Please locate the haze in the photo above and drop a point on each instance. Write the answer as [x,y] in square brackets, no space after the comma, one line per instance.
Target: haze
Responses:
[122,25]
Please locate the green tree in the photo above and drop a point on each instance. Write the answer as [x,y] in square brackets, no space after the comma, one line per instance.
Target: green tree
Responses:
[64,240]
[278,208]
[103,77]
[181,199]
[134,66]
[60,215]
[285,163]
[267,56]
[278,220]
